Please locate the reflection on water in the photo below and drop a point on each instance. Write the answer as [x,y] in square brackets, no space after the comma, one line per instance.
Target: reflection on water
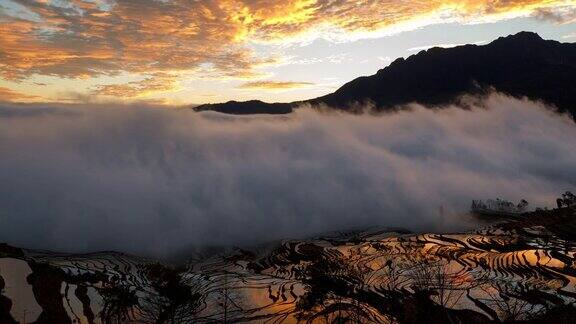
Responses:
[14,273]
[514,270]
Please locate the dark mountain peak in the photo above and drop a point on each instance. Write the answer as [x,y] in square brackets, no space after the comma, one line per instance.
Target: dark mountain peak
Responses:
[523,36]
[520,65]
[397,61]
[507,44]
[522,40]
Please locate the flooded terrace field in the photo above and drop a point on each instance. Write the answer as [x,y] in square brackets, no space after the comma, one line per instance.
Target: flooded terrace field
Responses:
[510,270]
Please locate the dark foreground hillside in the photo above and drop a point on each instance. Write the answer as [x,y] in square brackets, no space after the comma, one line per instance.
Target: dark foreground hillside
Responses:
[513,270]
[521,65]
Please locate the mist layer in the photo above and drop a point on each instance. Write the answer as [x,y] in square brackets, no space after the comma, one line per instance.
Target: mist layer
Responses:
[155,181]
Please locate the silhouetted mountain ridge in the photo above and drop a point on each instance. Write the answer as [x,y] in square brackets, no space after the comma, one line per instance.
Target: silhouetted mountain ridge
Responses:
[248,107]
[520,65]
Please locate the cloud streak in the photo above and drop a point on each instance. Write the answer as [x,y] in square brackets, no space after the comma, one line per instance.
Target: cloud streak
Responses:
[274,85]
[156,181]
[154,83]
[7,94]
[561,15]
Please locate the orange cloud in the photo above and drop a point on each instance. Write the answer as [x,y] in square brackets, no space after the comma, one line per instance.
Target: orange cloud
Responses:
[344,19]
[81,38]
[7,94]
[274,85]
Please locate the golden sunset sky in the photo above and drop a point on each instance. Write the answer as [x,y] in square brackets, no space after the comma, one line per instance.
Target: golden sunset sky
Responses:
[198,51]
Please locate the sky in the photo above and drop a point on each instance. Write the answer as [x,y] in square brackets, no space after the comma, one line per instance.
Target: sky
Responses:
[181,52]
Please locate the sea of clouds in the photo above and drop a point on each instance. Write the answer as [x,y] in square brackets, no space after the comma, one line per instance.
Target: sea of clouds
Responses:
[156,181]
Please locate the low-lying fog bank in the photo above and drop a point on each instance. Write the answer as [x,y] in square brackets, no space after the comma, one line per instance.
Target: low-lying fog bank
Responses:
[155,181]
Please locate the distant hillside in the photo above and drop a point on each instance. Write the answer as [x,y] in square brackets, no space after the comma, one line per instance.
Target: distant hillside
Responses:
[248,107]
[519,65]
